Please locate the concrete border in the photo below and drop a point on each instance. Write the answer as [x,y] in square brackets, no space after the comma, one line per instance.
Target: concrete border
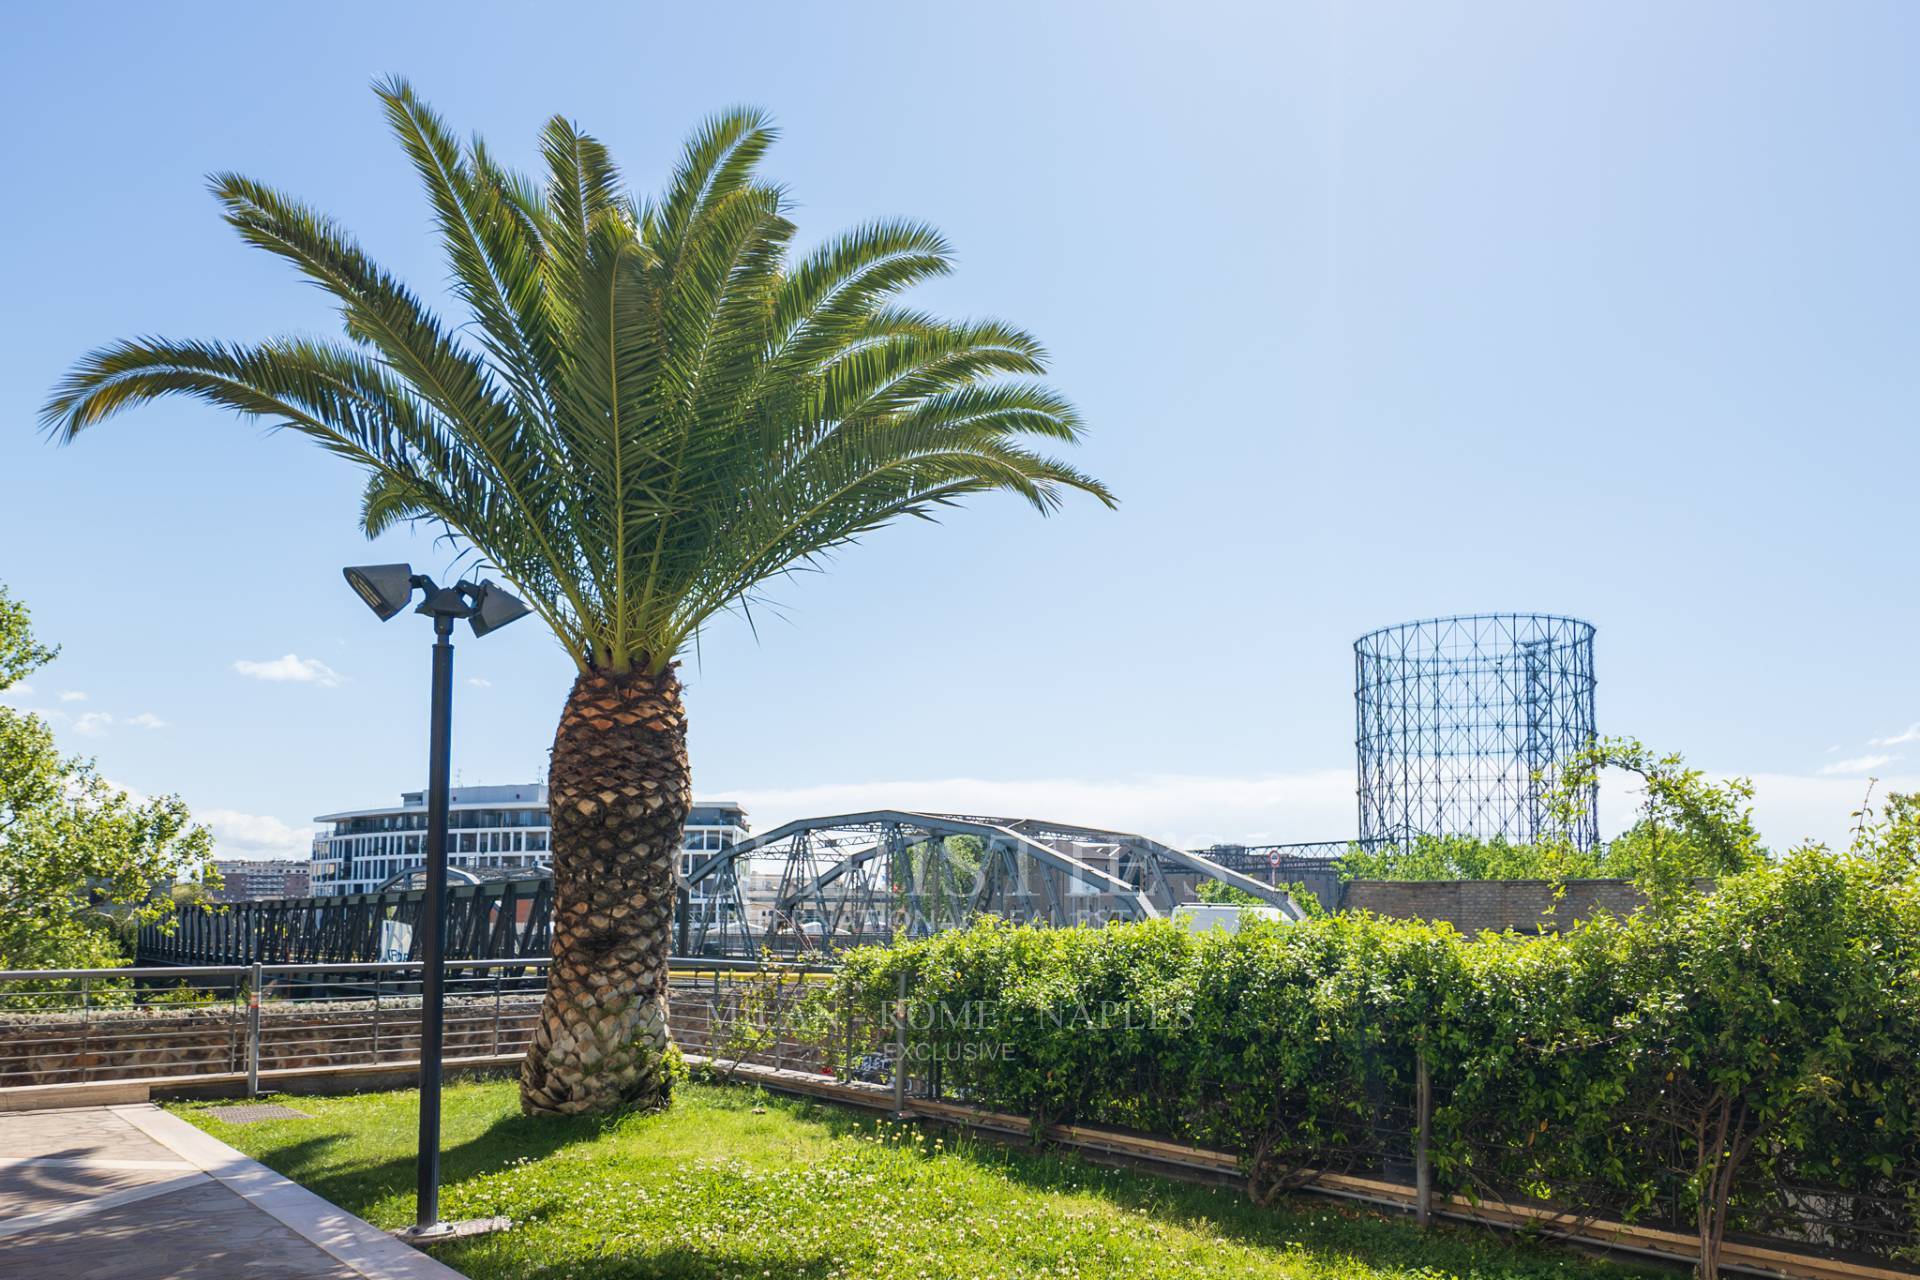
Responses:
[356,1244]
[352,1077]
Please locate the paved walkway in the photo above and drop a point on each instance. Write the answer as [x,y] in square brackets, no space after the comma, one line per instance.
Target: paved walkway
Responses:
[133,1193]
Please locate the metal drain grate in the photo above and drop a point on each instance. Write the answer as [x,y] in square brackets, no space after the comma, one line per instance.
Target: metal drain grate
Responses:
[253,1112]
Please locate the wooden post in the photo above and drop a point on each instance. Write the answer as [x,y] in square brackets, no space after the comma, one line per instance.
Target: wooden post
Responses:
[776,1018]
[1423,1136]
[900,1050]
[847,1063]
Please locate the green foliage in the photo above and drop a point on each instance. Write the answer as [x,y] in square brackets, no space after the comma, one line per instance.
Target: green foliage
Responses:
[654,407]
[950,865]
[80,861]
[1690,828]
[1468,858]
[1219,891]
[1771,1033]
[1680,1064]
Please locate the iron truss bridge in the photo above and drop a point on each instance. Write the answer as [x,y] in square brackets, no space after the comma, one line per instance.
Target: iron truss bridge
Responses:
[820,885]
[498,919]
[809,888]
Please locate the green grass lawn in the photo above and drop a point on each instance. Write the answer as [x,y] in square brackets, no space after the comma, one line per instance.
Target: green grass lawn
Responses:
[736,1183]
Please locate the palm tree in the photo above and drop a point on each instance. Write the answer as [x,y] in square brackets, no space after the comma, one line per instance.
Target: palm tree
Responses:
[655,408]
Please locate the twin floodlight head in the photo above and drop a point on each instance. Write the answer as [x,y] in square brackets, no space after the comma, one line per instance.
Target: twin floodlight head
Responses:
[388,588]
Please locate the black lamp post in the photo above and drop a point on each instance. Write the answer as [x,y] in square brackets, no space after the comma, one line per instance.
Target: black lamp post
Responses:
[387,589]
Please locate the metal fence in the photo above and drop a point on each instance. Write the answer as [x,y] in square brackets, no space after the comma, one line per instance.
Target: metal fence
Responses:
[75,1026]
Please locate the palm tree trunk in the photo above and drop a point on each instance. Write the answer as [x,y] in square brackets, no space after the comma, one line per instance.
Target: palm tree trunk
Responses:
[619,790]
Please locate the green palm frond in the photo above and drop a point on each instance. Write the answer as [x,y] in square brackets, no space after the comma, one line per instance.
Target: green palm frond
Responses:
[655,408]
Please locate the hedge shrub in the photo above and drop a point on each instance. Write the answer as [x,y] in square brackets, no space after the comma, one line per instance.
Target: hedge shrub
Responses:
[1740,1060]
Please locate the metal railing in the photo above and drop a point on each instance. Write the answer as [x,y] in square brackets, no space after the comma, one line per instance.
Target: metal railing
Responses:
[76,1026]
[73,1026]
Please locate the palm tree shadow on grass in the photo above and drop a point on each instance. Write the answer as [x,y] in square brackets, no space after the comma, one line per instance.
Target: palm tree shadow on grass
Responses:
[357,1186]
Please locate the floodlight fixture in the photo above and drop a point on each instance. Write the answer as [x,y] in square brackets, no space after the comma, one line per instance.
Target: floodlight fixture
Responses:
[494,607]
[385,588]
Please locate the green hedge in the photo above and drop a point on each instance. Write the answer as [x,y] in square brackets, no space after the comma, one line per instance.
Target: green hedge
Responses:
[1703,1062]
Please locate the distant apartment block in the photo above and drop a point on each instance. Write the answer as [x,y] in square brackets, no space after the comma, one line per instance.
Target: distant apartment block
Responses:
[492,831]
[249,879]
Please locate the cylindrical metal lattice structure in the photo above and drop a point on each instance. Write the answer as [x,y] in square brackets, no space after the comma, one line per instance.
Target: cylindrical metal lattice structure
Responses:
[1464,723]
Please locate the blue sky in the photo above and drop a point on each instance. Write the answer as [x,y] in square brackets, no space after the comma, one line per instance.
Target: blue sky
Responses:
[1375,311]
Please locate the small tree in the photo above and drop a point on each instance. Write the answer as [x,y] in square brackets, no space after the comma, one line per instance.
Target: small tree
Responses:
[80,860]
[1749,1003]
[1752,1006]
[1690,827]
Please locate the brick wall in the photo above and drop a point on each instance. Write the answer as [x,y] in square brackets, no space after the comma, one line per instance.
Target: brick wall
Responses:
[1473,905]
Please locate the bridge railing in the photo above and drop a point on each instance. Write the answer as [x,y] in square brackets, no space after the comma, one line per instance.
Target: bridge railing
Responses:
[1277,863]
[493,920]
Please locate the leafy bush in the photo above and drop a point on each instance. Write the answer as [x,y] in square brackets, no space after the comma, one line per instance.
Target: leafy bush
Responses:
[1468,858]
[1743,1059]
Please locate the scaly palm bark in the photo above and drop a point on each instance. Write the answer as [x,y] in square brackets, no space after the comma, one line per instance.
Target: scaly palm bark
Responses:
[619,790]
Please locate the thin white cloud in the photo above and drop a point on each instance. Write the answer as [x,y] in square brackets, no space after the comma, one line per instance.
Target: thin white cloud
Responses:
[290,668]
[72,695]
[1909,734]
[479,682]
[242,835]
[94,724]
[1857,764]
[147,720]
[253,835]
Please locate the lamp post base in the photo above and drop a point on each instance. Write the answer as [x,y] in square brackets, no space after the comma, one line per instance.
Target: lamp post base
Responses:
[441,1232]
